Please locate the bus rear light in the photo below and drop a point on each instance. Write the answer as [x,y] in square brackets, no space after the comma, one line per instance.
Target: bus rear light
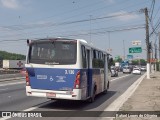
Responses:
[77,81]
[27,79]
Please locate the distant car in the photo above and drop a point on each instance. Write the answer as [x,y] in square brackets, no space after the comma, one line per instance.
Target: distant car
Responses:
[136,71]
[126,69]
[143,68]
[131,67]
[114,72]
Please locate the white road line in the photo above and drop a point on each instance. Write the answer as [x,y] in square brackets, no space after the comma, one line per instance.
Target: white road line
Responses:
[119,77]
[10,74]
[7,79]
[6,84]
[116,104]
[3,89]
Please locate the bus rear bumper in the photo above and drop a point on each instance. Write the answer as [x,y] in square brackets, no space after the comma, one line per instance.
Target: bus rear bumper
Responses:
[51,94]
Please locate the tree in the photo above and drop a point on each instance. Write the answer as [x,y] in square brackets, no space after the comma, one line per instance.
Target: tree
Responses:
[11,56]
[139,62]
[119,60]
[143,62]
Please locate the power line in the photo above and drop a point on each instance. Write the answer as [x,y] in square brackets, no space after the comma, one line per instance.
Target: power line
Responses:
[156,26]
[30,26]
[152,10]
[73,22]
[110,27]
[106,31]
[93,33]
[156,13]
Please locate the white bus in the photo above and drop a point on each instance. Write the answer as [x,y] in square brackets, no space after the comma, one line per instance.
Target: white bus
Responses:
[61,68]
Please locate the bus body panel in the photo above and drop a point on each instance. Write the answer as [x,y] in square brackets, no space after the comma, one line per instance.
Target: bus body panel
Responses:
[52,79]
[56,80]
[98,79]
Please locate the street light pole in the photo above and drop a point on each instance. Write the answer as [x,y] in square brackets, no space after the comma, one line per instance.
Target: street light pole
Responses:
[109,41]
[90,28]
[124,49]
[147,43]
[155,64]
[159,52]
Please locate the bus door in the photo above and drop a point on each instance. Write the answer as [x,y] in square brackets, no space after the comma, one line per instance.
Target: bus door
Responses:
[89,80]
[86,82]
[105,72]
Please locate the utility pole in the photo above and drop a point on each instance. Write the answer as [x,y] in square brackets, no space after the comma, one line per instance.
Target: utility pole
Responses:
[159,52]
[124,49]
[155,64]
[90,29]
[147,43]
[109,41]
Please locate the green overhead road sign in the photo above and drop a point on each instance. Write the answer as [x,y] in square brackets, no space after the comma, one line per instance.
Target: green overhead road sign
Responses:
[135,50]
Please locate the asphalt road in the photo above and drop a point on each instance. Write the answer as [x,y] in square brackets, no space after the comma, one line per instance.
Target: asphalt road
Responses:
[13,98]
[4,76]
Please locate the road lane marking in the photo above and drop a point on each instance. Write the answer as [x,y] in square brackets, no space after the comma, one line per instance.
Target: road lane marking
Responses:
[3,89]
[12,83]
[9,79]
[119,77]
[117,103]
[10,74]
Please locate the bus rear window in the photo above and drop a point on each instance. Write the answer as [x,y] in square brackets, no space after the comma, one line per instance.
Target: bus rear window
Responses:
[53,53]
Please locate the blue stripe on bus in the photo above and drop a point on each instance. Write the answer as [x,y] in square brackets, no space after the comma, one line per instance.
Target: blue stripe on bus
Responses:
[52,78]
[63,79]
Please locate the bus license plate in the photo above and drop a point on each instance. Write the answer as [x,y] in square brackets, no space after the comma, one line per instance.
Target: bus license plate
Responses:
[50,94]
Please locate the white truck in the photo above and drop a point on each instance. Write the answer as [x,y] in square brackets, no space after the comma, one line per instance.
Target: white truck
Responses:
[13,64]
[117,64]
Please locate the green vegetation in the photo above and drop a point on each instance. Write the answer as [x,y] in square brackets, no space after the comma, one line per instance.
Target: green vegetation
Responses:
[158,66]
[139,62]
[11,56]
[118,60]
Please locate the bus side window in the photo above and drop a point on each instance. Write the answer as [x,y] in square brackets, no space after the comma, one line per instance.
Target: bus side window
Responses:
[84,62]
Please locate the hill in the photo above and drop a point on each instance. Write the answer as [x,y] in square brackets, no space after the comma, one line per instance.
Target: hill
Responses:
[11,56]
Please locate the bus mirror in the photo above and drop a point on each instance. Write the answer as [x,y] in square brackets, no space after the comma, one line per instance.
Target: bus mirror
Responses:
[28,42]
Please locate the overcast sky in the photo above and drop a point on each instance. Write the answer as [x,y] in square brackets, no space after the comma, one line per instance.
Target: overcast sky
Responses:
[31,19]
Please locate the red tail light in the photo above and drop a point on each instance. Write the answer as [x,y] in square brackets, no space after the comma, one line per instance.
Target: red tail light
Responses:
[27,79]
[77,81]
